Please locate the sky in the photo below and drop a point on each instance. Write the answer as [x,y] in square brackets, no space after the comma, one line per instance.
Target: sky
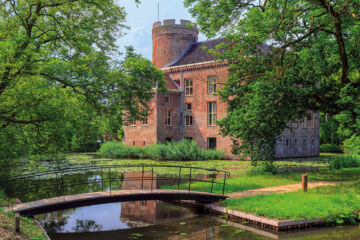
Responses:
[140,19]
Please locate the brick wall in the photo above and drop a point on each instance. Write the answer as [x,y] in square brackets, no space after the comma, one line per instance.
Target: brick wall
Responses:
[143,135]
[173,131]
[200,131]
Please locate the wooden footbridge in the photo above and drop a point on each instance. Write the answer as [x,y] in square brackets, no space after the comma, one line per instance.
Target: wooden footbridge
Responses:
[53,190]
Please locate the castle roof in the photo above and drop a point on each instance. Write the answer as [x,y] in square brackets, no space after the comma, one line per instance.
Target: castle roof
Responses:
[195,53]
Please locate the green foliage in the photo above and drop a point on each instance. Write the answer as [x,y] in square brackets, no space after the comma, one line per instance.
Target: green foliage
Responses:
[119,150]
[60,91]
[330,148]
[179,151]
[254,123]
[263,169]
[352,161]
[329,130]
[352,145]
[2,194]
[336,203]
[312,65]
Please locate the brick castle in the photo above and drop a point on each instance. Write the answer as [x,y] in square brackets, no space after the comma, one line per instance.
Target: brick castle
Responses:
[190,109]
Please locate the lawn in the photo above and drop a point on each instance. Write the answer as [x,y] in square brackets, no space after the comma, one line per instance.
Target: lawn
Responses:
[238,184]
[337,204]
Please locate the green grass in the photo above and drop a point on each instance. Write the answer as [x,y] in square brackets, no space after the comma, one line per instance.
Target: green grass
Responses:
[335,203]
[344,174]
[247,182]
[28,230]
[238,184]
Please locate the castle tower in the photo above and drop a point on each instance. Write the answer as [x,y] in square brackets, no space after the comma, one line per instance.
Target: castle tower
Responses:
[170,40]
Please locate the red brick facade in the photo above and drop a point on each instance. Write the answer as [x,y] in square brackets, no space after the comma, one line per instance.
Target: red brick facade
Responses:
[177,52]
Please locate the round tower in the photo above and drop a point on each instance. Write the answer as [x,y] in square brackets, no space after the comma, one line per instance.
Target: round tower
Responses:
[170,40]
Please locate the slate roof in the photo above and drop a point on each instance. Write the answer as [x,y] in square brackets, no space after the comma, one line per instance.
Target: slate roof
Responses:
[195,54]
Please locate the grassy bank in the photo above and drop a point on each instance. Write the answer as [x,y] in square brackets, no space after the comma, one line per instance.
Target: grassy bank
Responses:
[338,204]
[28,229]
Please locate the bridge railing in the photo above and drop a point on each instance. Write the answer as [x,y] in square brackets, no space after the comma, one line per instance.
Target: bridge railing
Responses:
[61,182]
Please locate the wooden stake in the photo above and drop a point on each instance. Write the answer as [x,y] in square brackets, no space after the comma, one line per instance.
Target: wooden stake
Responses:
[17,222]
[304,183]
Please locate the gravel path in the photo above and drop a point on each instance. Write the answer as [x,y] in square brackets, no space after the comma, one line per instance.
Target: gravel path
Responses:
[279,189]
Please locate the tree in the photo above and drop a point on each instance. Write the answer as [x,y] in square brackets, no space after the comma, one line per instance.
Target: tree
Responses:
[60,74]
[305,53]
[329,130]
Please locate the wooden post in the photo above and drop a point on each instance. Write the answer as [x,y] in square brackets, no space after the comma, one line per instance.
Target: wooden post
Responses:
[17,222]
[304,182]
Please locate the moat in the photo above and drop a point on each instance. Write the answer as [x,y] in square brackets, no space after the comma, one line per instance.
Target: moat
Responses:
[150,220]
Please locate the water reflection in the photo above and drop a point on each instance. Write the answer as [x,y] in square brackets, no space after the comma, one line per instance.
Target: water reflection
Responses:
[113,216]
[162,221]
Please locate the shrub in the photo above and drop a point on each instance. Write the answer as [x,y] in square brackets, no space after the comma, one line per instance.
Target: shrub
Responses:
[119,150]
[330,148]
[184,150]
[352,145]
[263,169]
[345,162]
[214,154]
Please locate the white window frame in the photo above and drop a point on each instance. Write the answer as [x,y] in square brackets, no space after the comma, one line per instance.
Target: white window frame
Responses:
[168,118]
[211,84]
[189,91]
[212,113]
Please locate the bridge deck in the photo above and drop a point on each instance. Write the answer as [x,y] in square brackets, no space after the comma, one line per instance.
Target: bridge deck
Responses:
[86,199]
